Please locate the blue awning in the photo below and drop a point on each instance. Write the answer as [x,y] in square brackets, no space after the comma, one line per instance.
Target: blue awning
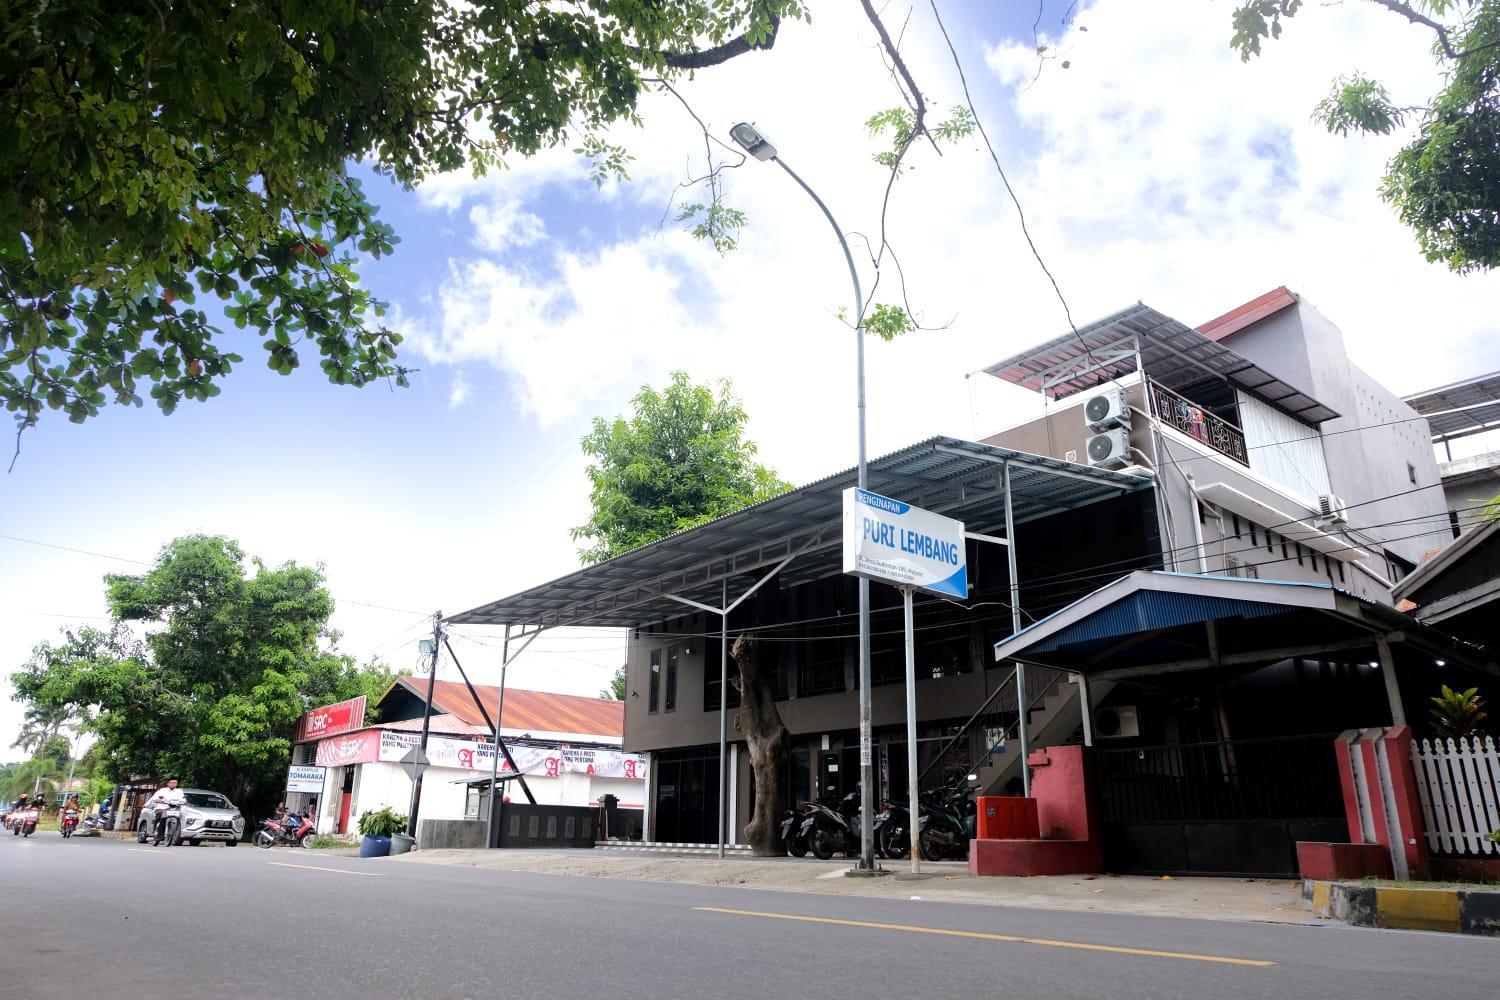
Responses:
[1156,622]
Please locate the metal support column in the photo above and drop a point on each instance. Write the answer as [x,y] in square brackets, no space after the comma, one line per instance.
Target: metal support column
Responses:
[1392,687]
[489,829]
[1085,709]
[416,783]
[723,707]
[1015,626]
[913,803]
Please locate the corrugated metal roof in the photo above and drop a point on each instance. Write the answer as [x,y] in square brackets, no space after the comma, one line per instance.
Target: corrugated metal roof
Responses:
[444,724]
[1172,353]
[525,711]
[950,476]
[1247,315]
[1144,611]
[1463,408]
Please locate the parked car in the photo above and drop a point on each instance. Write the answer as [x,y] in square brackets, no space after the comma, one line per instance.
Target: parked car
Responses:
[206,815]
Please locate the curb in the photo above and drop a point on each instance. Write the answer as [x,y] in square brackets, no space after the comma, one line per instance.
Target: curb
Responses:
[1454,911]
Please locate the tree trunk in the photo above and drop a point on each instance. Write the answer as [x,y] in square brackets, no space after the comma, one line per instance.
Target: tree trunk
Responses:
[769,744]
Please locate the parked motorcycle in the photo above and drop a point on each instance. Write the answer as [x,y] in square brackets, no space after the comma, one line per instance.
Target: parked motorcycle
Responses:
[946,825]
[69,823]
[292,832]
[92,826]
[826,829]
[791,831]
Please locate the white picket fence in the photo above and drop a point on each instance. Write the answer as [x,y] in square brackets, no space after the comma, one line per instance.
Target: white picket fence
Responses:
[1459,782]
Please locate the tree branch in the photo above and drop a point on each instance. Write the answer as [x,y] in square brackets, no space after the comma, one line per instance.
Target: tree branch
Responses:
[1405,10]
[722,53]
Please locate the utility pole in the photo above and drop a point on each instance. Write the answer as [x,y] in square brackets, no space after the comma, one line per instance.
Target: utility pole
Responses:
[421,755]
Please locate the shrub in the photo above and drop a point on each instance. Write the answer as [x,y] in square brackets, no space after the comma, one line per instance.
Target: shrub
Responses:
[382,823]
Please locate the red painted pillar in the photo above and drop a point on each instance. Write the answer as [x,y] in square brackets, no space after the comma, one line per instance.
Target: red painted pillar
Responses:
[1407,801]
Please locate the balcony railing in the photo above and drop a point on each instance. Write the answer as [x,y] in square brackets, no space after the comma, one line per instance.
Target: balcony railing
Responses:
[1197,423]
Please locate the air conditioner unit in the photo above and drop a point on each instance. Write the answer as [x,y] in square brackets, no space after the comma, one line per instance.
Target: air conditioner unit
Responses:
[1110,449]
[1119,723]
[1332,509]
[1106,408]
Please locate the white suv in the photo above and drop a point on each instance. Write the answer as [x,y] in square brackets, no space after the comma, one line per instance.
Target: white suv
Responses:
[205,816]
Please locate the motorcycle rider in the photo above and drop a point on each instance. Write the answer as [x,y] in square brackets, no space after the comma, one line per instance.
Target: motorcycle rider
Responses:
[166,797]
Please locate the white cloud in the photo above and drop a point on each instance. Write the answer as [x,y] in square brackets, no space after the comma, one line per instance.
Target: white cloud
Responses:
[458,390]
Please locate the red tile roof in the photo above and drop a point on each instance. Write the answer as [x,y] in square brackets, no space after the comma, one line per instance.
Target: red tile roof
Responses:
[444,725]
[525,711]
[1249,314]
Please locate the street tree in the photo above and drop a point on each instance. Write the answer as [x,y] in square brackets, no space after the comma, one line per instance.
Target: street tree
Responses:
[680,460]
[156,151]
[1445,183]
[615,690]
[232,656]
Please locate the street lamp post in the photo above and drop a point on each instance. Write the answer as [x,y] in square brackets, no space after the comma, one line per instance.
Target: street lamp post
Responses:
[754,142]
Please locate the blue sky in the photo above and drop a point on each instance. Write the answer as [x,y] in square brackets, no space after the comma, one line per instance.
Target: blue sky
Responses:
[1156,168]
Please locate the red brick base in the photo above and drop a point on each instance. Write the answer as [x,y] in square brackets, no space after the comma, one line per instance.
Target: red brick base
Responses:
[1330,862]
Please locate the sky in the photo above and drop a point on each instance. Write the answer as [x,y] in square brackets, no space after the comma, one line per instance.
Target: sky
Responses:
[1154,166]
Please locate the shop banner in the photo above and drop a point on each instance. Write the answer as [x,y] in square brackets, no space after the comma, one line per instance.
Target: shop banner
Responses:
[546,762]
[305,778]
[330,720]
[355,748]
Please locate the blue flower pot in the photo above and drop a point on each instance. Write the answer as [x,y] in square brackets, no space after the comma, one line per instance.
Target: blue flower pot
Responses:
[374,847]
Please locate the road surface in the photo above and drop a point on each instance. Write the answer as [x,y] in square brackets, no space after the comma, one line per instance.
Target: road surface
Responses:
[109,918]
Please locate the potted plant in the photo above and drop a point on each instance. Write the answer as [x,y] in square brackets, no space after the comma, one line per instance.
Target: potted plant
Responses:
[377,828]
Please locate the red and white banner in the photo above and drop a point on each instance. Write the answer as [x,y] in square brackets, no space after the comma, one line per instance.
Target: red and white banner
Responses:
[355,748]
[330,720]
[545,762]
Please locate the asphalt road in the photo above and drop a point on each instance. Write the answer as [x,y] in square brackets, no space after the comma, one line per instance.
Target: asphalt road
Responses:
[108,918]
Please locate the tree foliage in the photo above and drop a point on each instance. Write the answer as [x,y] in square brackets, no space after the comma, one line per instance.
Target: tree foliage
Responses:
[231,659]
[615,691]
[1445,183]
[154,151]
[682,459]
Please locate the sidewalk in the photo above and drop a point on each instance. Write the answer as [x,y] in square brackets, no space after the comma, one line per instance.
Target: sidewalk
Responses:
[1275,901]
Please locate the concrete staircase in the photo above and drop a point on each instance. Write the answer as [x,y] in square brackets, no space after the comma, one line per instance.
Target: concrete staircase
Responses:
[1051,722]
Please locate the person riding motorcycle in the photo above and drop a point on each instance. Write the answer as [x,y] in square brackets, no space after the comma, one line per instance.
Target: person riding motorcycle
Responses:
[165,798]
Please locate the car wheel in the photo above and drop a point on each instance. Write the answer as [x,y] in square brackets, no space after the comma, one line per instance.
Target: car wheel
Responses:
[194,843]
[230,843]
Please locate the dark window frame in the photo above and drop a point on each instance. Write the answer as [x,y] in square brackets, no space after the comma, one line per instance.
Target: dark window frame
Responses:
[653,696]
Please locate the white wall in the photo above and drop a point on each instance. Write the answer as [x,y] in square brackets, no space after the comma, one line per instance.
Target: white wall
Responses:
[386,784]
[1284,450]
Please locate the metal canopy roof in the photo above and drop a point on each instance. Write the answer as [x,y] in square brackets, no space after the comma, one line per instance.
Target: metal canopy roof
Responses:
[1172,354]
[1460,409]
[1153,622]
[961,479]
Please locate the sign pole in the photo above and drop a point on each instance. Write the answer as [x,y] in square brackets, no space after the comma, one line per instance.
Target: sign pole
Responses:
[912,791]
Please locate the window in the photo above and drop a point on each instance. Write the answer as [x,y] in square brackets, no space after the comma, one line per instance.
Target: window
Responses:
[655,680]
[670,702]
[1411,473]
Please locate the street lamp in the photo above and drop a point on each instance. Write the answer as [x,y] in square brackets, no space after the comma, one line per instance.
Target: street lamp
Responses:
[753,141]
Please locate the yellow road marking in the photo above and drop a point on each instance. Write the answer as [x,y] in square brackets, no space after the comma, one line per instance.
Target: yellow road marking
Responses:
[1008,938]
[320,868]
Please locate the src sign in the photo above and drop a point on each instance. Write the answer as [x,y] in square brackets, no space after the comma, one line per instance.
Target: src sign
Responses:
[331,720]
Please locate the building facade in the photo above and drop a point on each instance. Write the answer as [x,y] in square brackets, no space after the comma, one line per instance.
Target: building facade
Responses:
[568,747]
